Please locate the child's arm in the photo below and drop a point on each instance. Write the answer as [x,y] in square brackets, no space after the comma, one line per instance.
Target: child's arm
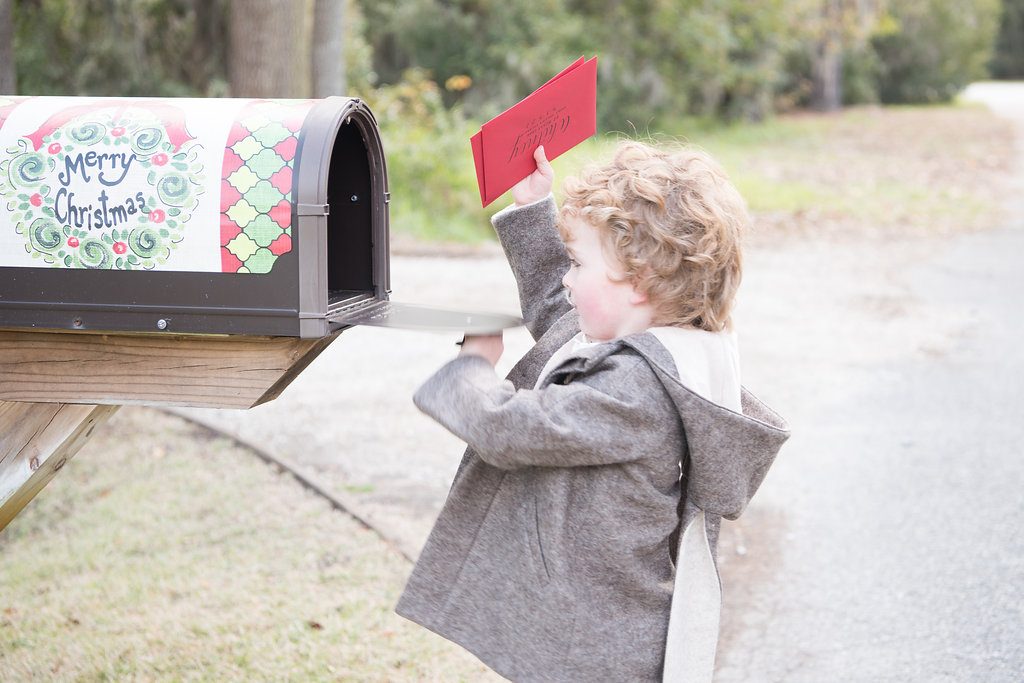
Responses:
[600,419]
[534,250]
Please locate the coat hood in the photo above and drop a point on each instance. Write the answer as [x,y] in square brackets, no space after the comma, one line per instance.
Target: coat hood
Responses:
[729,452]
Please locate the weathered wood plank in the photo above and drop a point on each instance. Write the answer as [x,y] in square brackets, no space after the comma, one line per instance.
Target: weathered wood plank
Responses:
[156,370]
[36,440]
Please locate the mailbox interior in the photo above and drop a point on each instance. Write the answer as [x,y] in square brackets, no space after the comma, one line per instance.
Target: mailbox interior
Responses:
[343,215]
[350,222]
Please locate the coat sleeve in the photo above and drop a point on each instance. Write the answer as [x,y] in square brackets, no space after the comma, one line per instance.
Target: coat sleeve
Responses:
[538,260]
[558,425]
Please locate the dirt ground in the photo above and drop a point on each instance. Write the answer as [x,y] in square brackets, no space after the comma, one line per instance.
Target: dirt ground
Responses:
[167,552]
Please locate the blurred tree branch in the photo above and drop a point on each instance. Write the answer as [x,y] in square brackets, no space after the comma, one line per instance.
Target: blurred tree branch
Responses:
[8,76]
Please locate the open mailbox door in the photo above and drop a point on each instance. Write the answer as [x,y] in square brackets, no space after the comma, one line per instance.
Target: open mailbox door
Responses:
[414,317]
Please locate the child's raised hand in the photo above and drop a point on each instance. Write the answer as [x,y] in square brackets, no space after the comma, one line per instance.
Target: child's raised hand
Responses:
[538,184]
[490,346]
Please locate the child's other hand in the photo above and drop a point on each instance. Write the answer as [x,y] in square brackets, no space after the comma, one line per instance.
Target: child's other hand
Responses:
[490,346]
[538,184]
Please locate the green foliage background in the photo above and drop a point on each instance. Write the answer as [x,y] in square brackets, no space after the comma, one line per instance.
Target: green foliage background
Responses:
[1008,61]
[659,59]
[433,70]
[134,48]
[936,49]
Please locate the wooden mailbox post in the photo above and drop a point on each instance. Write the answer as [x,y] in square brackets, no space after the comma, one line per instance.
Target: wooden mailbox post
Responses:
[179,252]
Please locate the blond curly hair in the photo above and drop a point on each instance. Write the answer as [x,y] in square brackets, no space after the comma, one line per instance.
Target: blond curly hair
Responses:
[673,221]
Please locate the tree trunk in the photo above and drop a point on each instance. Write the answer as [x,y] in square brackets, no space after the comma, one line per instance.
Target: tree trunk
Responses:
[329,48]
[827,90]
[8,77]
[827,60]
[269,53]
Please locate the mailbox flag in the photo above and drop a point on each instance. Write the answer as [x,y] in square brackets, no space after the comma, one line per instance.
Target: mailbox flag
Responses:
[559,115]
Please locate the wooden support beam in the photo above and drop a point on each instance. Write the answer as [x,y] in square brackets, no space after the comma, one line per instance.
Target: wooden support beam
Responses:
[205,371]
[36,440]
[56,387]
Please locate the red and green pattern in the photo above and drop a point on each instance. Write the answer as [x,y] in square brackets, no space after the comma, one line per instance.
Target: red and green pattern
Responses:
[256,185]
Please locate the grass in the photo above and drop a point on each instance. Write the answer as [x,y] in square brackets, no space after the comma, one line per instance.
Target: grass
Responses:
[162,552]
[892,170]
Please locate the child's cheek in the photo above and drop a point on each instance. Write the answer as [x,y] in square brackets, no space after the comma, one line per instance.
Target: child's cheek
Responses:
[593,305]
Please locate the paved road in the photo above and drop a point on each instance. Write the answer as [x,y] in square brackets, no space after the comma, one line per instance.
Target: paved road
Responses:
[885,545]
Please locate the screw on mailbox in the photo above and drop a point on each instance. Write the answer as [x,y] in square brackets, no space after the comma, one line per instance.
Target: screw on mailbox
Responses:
[354,198]
[161,324]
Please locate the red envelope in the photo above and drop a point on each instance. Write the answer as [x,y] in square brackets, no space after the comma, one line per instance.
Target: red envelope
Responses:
[559,115]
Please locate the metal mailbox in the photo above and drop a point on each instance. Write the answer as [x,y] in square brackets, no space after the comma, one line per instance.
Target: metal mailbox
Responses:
[198,216]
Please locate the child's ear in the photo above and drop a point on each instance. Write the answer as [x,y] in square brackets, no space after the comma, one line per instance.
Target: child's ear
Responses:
[637,297]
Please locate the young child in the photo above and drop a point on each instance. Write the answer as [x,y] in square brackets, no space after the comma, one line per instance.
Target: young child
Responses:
[578,540]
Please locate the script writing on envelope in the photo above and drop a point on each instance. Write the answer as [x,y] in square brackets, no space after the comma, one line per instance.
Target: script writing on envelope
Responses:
[559,115]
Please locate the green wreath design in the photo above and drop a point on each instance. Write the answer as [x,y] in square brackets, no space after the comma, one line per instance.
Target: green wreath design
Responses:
[175,182]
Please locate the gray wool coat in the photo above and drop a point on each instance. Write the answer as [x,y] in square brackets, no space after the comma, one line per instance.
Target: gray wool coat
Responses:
[554,555]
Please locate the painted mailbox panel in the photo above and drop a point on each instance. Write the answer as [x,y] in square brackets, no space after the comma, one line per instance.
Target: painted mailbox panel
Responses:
[189,215]
[191,185]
